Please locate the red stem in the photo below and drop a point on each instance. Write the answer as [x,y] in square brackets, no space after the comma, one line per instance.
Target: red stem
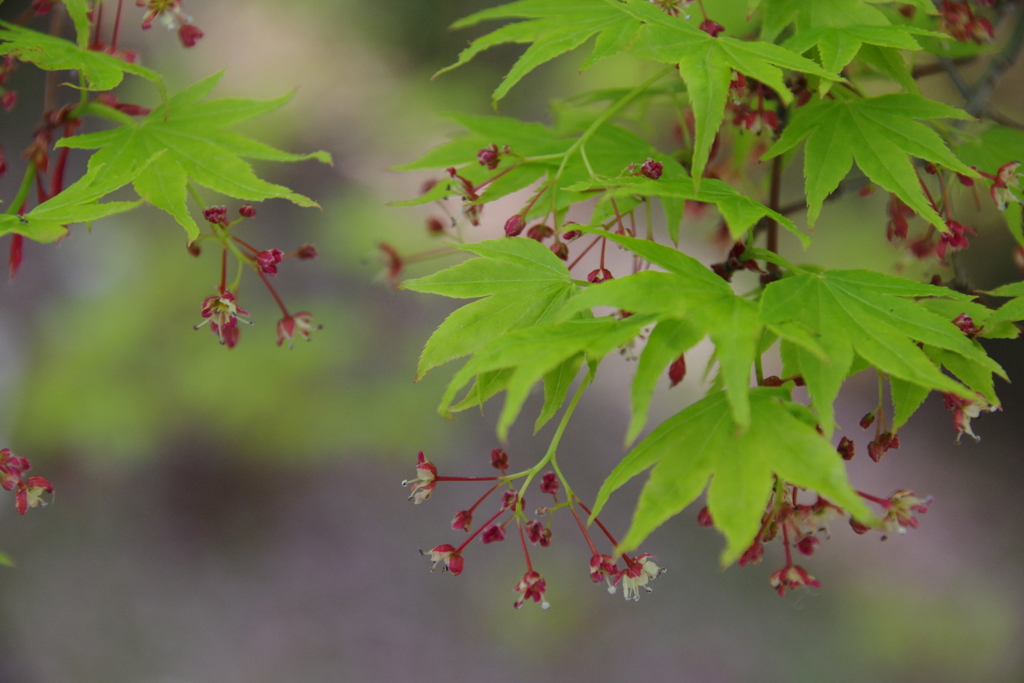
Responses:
[584,253]
[57,180]
[466,478]
[874,499]
[117,26]
[250,248]
[224,270]
[785,542]
[280,304]
[583,529]
[483,498]
[477,532]
[598,523]
[526,551]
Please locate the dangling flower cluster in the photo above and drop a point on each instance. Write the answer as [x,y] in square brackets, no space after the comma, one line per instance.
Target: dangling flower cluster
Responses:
[802,526]
[221,310]
[637,573]
[28,493]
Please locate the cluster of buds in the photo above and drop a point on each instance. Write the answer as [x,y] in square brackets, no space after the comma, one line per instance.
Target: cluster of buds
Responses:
[221,310]
[28,493]
[883,442]
[960,22]
[171,15]
[634,576]
[742,94]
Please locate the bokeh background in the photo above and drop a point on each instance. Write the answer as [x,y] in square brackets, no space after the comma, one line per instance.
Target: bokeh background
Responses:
[237,516]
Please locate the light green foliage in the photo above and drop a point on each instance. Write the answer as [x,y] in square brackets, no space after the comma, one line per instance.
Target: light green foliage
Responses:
[870,315]
[101,71]
[533,323]
[703,442]
[880,133]
[523,284]
[187,140]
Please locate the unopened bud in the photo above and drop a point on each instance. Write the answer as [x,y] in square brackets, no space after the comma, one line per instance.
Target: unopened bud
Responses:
[306,252]
[246,211]
[514,225]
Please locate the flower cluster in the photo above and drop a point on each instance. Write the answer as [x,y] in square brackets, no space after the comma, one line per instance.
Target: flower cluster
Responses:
[742,97]
[28,493]
[634,576]
[801,526]
[221,310]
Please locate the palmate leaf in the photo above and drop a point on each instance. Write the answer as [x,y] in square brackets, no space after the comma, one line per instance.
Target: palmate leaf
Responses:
[837,46]
[78,203]
[196,146]
[997,146]
[688,291]
[535,352]
[881,134]
[50,53]
[523,284]
[870,315]
[553,27]
[704,442]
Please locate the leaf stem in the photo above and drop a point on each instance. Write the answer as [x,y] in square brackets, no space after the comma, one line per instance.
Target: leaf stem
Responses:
[550,455]
[23,190]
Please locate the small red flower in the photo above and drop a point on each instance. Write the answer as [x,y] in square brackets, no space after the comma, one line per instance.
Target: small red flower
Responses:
[540,232]
[599,275]
[604,567]
[451,558]
[268,260]
[677,371]
[216,214]
[792,577]
[532,587]
[652,169]
[845,448]
[306,252]
[637,574]
[425,482]
[463,520]
[29,494]
[712,28]
[246,211]
[704,518]
[188,34]
[223,314]
[954,240]
[499,459]
[300,324]
[489,157]
[493,534]
[514,225]
[549,484]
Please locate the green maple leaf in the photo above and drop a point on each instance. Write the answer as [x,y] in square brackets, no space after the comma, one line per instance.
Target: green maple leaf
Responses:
[837,46]
[861,313]
[78,203]
[533,353]
[552,27]
[195,146]
[521,281]
[881,134]
[688,291]
[779,14]
[704,442]
[1011,311]
[50,53]
[706,65]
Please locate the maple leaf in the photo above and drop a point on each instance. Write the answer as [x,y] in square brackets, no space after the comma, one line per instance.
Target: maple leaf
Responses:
[837,46]
[196,147]
[688,291]
[554,27]
[870,315]
[78,203]
[50,53]
[703,442]
[880,133]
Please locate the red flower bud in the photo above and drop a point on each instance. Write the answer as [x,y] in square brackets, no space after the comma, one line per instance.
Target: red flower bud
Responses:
[463,520]
[306,252]
[867,420]
[677,371]
[599,275]
[845,448]
[652,169]
[493,534]
[246,211]
[561,250]
[514,225]
[549,484]
[712,28]
[499,459]
[189,34]
[704,517]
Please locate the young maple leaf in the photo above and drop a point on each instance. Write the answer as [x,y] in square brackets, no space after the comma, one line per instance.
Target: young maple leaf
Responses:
[50,53]
[703,442]
[553,27]
[188,140]
[881,134]
[859,313]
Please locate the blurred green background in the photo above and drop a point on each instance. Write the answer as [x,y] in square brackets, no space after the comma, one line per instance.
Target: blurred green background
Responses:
[236,516]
